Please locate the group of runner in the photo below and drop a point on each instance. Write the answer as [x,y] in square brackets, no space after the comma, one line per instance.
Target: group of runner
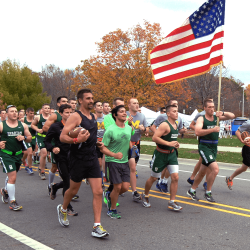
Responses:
[108,149]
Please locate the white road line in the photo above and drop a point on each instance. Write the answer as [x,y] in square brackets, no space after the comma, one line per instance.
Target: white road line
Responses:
[23,238]
[222,176]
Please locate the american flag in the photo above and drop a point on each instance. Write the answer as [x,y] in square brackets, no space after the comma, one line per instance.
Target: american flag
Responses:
[192,49]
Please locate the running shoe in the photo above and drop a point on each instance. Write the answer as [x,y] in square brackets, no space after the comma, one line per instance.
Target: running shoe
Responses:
[71,212]
[42,175]
[49,190]
[122,195]
[53,191]
[99,232]
[62,216]
[191,182]
[37,162]
[39,171]
[229,183]
[30,171]
[205,186]
[108,199]
[136,173]
[113,214]
[174,206]
[14,206]
[145,201]
[164,187]
[104,196]
[75,197]
[209,197]
[158,186]
[5,196]
[136,196]
[192,195]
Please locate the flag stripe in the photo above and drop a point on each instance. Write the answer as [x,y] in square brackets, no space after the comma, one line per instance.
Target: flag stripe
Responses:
[188,67]
[192,72]
[181,29]
[179,45]
[186,52]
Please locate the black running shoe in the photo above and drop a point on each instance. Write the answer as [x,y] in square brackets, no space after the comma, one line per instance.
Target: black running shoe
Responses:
[191,182]
[53,191]
[192,195]
[209,197]
[75,197]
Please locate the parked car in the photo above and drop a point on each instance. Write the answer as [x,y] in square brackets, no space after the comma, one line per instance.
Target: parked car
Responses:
[237,122]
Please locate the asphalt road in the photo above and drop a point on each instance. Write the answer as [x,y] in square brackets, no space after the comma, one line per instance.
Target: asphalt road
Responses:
[200,225]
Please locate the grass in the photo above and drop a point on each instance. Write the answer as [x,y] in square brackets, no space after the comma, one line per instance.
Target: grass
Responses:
[234,142]
[227,157]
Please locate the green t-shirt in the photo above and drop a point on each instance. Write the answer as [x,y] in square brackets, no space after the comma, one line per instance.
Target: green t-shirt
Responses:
[109,120]
[117,139]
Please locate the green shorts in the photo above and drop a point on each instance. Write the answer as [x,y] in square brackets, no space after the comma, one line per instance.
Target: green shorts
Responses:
[10,163]
[39,141]
[162,160]
[208,153]
[31,144]
[53,160]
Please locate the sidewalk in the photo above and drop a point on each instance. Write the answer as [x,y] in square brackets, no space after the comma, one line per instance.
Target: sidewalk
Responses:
[193,146]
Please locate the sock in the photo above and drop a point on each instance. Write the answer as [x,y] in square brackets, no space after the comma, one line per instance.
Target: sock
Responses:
[208,192]
[6,182]
[11,191]
[165,180]
[64,211]
[171,201]
[192,190]
[159,181]
[97,224]
[103,174]
[51,177]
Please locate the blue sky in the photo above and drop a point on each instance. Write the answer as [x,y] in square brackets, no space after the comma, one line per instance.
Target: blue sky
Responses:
[64,32]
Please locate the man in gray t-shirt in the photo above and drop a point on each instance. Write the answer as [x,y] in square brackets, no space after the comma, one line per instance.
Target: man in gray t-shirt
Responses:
[164,117]
[140,125]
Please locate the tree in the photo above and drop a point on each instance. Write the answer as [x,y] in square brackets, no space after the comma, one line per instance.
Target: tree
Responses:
[20,86]
[57,82]
[122,69]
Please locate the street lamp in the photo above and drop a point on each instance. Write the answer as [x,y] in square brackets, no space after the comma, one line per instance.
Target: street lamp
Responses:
[239,105]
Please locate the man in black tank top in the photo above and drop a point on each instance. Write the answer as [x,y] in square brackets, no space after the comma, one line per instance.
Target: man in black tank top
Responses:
[83,160]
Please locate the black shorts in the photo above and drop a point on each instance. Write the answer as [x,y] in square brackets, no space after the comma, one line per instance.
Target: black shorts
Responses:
[139,149]
[99,153]
[246,155]
[118,172]
[81,169]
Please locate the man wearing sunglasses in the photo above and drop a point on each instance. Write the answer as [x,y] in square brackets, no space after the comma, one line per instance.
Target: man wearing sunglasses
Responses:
[13,135]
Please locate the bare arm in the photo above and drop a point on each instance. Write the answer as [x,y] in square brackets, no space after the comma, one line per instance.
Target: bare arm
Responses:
[107,152]
[238,134]
[163,129]
[226,116]
[26,133]
[52,118]
[201,132]
[192,125]
[34,124]
[153,128]
[73,121]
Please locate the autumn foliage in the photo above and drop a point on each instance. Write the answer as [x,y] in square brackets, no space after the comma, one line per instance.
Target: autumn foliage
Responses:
[122,69]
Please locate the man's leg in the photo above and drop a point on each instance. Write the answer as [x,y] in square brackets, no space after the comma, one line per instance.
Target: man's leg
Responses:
[96,186]
[174,185]
[211,177]
[229,180]
[196,169]
[132,166]
[43,155]
[70,193]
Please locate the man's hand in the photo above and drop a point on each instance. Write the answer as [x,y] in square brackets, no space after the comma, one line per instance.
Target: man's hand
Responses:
[130,119]
[141,127]
[2,144]
[40,131]
[216,129]
[219,113]
[56,150]
[82,137]
[20,138]
[118,156]
[174,144]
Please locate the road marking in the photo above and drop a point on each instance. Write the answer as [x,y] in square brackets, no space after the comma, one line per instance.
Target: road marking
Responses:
[23,238]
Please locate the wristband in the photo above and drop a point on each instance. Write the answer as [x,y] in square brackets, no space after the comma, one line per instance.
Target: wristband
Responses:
[75,140]
[223,113]
[25,137]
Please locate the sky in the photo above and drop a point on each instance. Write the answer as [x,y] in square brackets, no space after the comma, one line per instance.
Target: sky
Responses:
[63,33]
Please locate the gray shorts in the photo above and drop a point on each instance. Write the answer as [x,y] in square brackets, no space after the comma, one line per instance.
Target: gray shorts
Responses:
[118,172]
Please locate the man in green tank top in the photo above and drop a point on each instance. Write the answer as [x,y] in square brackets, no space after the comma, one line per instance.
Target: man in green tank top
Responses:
[165,156]
[37,125]
[208,131]
[13,134]
[28,119]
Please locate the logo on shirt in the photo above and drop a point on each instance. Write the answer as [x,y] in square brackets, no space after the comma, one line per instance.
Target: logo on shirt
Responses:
[211,157]
[10,167]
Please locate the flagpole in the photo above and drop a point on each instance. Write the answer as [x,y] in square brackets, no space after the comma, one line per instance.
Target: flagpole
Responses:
[219,92]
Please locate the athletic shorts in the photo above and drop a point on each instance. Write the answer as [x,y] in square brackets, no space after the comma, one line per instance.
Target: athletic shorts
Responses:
[118,172]
[246,155]
[208,154]
[162,160]
[139,149]
[53,160]
[99,153]
[81,169]
[10,163]
[31,144]
[39,141]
